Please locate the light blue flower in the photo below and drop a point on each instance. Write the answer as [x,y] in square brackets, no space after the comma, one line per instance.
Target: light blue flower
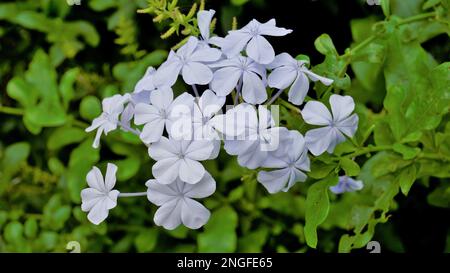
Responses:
[341,122]
[288,71]
[190,61]
[242,71]
[347,184]
[290,167]
[251,37]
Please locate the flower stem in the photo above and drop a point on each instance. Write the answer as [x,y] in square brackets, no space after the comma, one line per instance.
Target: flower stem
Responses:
[370,149]
[289,106]
[11,110]
[280,91]
[195,91]
[132,194]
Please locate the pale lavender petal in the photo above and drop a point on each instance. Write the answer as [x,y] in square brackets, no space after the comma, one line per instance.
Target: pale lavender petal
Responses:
[299,89]
[260,50]
[316,113]
[193,214]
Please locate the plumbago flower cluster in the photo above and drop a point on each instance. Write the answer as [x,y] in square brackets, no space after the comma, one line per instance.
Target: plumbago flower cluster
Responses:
[181,132]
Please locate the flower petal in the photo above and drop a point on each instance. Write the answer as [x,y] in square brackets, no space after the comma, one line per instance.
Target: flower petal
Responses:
[167,73]
[163,149]
[341,107]
[169,214]
[204,18]
[191,171]
[318,140]
[260,50]
[193,214]
[349,125]
[274,181]
[152,131]
[314,77]
[299,89]
[145,113]
[199,150]
[158,193]
[110,177]
[98,213]
[282,77]
[95,180]
[234,43]
[196,73]
[204,188]
[316,113]
[90,197]
[283,59]
[166,170]
[253,89]
[162,98]
[205,54]
[225,80]
[270,29]
[210,103]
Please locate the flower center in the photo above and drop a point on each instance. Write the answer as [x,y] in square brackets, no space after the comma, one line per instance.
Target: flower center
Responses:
[163,114]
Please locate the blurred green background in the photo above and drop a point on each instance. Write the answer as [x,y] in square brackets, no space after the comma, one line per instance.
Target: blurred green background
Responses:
[58,60]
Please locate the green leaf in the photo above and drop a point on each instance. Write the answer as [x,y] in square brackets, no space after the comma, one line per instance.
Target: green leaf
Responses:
[440,197]
[407,177]
[404,8]
[81,161]
[64,136]
[31,228]
[320,169]
[48,240]
[253,241]
[13,232]
[385,5]
[406,151]
[90,107]
[66,86]
[325,45]
[317,207]
[14,155]
[146,240]
[417,90]
[219,233]
[129,73]
[350,167]
[22,91]
[55,214]
[430,3]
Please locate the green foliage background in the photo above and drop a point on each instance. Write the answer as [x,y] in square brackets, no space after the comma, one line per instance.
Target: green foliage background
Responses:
[53,77]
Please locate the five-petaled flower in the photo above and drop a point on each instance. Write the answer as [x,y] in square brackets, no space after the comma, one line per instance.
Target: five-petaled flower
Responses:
[288,71]
[289,168]
[179,159]
[109,118]
[204,18]
[100,197]
[162,113]
[336,125]
[347,184]
[251,37]
[190,60]
[207,106]
[248,76]
[249,135]
[176,204]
